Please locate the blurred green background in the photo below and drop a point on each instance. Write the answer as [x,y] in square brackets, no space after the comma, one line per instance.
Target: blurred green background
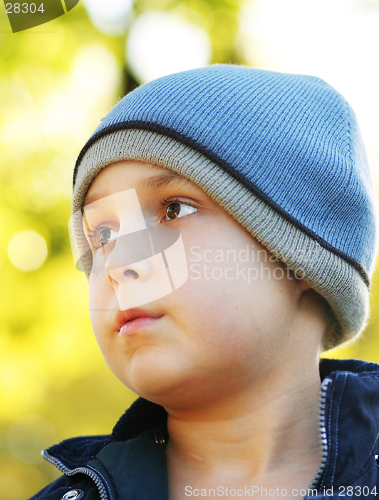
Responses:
[56,81]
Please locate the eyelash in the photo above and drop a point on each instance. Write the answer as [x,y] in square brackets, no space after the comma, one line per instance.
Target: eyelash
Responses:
[94,233]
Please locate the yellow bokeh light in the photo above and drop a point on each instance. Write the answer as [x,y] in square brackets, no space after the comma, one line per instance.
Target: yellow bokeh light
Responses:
[110,17]
[60,132]
[95,71]
[27,250]
[39,191]
[161,43]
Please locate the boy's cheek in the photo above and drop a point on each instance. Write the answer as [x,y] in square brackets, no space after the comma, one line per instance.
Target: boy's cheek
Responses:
[102,306]
[101,293]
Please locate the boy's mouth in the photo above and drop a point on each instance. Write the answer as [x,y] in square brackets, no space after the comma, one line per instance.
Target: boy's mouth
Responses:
[134,319]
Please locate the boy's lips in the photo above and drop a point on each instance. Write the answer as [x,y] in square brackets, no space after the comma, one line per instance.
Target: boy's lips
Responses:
[134,319]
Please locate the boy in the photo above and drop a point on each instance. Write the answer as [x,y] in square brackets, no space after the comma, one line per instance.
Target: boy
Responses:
[226,220]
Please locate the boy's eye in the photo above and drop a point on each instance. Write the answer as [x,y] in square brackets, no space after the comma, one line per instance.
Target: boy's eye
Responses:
[176,209]
[105,236]
[102,236]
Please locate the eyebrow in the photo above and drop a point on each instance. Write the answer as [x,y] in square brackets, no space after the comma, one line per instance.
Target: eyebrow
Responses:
[161,180]
[154,182]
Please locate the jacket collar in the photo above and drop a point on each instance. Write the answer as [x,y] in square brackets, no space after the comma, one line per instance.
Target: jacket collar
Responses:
[350,416]
[77,452]
[351,419]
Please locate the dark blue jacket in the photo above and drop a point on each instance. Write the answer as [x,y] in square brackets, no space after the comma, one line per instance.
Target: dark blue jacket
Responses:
[129,464]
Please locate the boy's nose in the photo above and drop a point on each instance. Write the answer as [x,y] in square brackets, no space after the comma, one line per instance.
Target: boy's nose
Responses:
[137,265]
[125,257]
[138,275]
[139,283]
[119,275]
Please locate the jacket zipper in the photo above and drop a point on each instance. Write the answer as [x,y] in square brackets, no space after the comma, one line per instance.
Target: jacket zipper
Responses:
[324,438]
[83,470]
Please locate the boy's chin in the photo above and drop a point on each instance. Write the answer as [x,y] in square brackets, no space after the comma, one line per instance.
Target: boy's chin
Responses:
[177,395]
[150,379]
[166,385]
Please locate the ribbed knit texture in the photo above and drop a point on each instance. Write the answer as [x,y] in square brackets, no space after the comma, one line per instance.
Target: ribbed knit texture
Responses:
[289,141]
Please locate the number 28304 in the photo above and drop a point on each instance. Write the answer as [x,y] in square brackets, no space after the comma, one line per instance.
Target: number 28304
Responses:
[23,8]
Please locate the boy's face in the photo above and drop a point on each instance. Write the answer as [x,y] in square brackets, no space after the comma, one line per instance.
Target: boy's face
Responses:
[227,324]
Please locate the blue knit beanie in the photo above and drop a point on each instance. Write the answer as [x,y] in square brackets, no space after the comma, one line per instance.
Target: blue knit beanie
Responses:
[281,153]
